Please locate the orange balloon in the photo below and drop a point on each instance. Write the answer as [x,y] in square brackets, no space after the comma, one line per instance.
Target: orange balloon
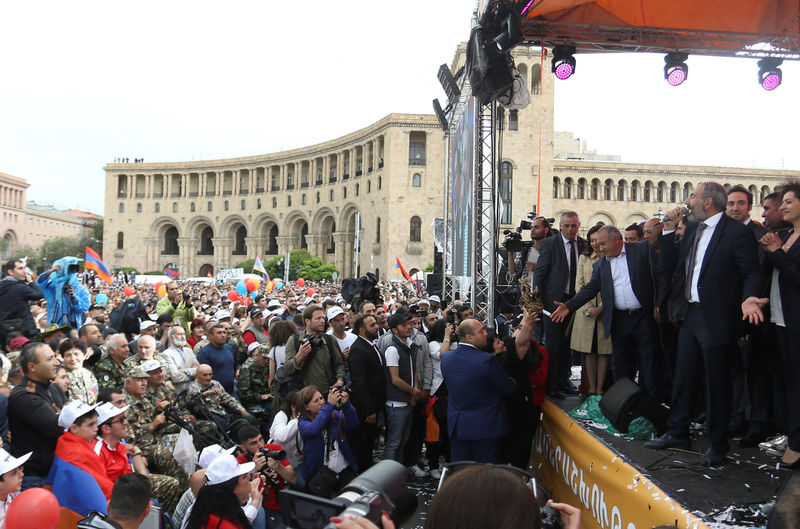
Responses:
[233,295]
[269,287]
[310,292]
[129,291]
[301,282]
[35,507]
[256,284]
[162,291]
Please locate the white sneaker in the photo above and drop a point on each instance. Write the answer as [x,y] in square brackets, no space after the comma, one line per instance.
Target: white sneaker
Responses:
[435,473]
[417,472]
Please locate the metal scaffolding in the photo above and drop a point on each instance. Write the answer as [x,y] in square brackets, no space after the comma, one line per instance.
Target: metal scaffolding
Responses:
[484,270]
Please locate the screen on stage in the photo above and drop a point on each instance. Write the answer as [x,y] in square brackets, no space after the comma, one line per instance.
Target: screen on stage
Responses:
[462,166]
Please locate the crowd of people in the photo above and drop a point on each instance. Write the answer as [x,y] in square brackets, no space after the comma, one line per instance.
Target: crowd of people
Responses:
[297,388]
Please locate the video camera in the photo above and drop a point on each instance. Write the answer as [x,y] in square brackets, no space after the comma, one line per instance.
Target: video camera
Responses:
[381,488]
[513,239]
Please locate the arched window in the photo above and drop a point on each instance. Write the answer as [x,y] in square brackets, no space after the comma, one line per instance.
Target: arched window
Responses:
[648,191]
[635,190]
[273,241]
[344,192]
[174,207]
[595,189]
[289,200]
[317,197]
[415,234]
[621,188]
[239,247]
[331,196]
[227,206]
[687,190]
[191,207]
[139,207]
[556,186]
[581,189]
[258,203]
[378,230]
[244,205]
[210,206]
[171,241]
[206,242]
[120,240]
[274,202]
[607,190]
[674,191]
[506,185]
[568,188]
[357,189]
[536,79]
[157,207]
[303,199]
[416,180]
[121,207]
[513,120]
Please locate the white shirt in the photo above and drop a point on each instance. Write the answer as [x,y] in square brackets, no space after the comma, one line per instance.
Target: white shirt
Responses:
[776,307]
[346,342]
[533,257]
[624,298]
[278,353]
[284,432]
[436,363]
[568,251]
[702,246]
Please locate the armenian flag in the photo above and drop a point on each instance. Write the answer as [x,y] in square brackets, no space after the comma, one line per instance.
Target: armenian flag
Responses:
[172,274]
[402,270]
[259,266]
[93,262]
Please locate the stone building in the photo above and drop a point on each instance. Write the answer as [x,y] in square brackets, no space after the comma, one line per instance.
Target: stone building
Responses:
[207,215]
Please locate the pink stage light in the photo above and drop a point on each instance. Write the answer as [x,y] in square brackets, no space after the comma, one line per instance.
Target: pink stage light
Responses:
[676,77]
[564,70]
[771,81]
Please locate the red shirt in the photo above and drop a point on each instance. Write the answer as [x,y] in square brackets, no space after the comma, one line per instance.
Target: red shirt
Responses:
[271,496]
[115,461]
[213,522]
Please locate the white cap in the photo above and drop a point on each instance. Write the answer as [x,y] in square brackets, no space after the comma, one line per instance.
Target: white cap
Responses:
[274,303]
[425,301]
[224,468]
[333,312]
[211,452]
[435,298]
[107,410]
[253,346]
[222,314]
[146,324]
[151,365]
[9,462]
[72,411]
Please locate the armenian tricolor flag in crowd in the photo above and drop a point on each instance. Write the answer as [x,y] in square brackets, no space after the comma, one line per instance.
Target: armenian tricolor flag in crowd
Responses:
[172,274]
[93,262]
[402,270]
[259,266]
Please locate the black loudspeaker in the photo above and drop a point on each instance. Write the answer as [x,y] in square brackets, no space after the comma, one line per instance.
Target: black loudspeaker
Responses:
[433,284]
[625,400]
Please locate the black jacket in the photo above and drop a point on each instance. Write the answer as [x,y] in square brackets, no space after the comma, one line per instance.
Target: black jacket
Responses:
[552,270]
[14,298]
[368,379]
[33,421]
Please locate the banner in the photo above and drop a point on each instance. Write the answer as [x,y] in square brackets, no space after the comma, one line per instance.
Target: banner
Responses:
[581,470]
[230,274]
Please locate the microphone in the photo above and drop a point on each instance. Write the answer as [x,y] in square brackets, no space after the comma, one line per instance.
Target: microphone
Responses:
[684,212]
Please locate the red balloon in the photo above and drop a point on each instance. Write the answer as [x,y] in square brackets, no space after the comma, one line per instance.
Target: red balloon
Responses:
[129,291]
[35,507]
[301,282]
[233,295]
[158,285]
[249,284]
[310,292]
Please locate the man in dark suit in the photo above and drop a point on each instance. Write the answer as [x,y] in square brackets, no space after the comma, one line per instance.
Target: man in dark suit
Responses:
[624,279]
[714,280]
[555,278]
[368,381]
[477,419]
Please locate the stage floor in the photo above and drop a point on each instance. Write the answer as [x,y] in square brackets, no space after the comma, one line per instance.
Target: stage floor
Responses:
[749,476]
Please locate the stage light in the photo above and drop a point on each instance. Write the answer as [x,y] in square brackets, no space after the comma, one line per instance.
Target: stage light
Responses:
[563,61]
[675,70]
[437,108]
[448,83]
[769,75]
[511,34]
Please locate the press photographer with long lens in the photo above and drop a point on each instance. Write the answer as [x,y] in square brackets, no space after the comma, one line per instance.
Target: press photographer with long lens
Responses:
[523,255]
[314,354]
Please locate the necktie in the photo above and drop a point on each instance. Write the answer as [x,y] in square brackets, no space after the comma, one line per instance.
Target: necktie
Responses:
[573,266]
[692,259]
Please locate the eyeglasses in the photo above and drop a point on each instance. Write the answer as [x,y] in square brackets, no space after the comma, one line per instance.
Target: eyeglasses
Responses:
[121,420]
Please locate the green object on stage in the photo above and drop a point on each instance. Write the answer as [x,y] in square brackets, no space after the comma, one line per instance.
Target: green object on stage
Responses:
[589,410]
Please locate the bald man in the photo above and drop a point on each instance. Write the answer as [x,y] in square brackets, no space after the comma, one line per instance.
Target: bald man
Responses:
[219,402]
[477,419]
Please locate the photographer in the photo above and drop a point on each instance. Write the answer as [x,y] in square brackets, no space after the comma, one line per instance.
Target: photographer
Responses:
[16,289]
[524,257]
[277,472]
[177,305]
[314,353]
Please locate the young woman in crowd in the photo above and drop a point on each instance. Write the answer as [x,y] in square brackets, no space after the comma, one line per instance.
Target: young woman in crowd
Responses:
[219,502]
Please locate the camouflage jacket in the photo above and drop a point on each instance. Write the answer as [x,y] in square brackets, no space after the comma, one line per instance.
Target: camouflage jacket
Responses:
[82,385]
[253,382]
[109,373]
[165,392]
[136,360]
[140,415]
[221,404]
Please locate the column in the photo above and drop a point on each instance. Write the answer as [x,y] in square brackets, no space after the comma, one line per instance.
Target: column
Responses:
[222,251]
[286,243]
[341,239]
[348,246]
[315,244]
[282,169]
[151,254]
[187,248]
[184,184]
[254,246]
[131,186]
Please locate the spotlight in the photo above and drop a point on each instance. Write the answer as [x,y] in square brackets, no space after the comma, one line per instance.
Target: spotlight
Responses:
[769,75]
[563,61]
[675,69]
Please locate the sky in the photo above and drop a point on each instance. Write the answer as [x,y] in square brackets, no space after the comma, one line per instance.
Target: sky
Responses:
[175,81]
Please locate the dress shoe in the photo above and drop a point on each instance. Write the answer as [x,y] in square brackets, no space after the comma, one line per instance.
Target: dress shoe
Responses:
[556,395]
[668,441]
[713,458]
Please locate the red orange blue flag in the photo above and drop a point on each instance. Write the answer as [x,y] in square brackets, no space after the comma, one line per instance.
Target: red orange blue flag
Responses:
[93,262]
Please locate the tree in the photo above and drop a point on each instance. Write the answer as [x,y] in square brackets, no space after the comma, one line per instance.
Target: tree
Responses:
[299,260]
[34,260]
[316,270]
[96,233]
[429,268]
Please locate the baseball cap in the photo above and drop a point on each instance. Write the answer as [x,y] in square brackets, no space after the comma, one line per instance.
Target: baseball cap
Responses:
[9,462]
[424,302]
[211,452]
[333,312]
[253,346]
[146,324]
[222,314]
[401,316]
[274,304]
[435,298]
[136,372]
[18,343]
[224,467]
[150,365]
[255,313]
[72,411]
[107,411]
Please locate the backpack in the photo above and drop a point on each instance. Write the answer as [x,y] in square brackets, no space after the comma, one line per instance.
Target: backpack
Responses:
[284,382]
[125,316]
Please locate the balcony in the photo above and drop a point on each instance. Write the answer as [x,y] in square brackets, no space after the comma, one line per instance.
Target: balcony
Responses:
[304,184]
[243,191]
[380,164]
[140,194]
[332,180]
[346,176]
[193,193]
[259,190]
[175,194]
[369,169]
[275,188]
[359,172]
[318,182]
[227,193]
[289,186]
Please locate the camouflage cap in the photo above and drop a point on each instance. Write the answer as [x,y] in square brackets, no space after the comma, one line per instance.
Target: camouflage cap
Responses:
[136,372]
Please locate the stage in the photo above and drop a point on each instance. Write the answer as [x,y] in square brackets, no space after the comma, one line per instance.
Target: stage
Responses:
[621,484]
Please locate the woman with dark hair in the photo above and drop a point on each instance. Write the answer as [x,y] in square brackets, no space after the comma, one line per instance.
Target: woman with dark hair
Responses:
[588,336]
[197,332]
[329,464]
[284,431]
[219,502]
[82,383]
[783,253]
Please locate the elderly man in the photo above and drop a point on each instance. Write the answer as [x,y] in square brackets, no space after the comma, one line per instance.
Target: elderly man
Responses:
[221,405]
[477,419]
[178,359]
[147,351]
[33,413]
[253,385]
[146,328]
[177,306]
[109,371]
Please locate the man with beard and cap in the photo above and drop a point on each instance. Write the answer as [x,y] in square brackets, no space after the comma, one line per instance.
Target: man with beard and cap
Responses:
[178,359]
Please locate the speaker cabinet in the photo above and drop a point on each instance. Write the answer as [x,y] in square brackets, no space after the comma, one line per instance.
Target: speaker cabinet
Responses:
[625,400]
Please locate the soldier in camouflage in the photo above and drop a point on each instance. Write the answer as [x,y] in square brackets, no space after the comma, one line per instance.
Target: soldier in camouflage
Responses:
[253,383]
[146,431]
[217,400]
[109,370]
